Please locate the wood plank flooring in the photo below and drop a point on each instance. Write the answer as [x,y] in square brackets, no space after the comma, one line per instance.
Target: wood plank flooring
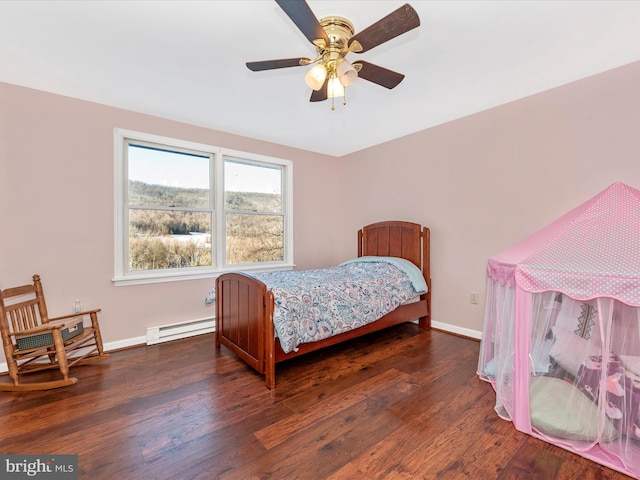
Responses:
[399,404]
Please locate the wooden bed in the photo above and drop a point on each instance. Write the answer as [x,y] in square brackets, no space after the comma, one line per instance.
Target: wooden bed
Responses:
[244,306]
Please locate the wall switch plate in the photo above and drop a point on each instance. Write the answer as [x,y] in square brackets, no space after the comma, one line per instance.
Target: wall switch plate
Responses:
[475,298]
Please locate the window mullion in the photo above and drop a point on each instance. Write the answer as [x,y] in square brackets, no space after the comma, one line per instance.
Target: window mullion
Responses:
[220,228]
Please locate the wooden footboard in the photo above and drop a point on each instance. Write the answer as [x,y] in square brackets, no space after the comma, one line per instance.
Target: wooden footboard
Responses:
[241,316]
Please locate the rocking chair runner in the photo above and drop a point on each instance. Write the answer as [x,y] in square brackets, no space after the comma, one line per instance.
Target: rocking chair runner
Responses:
[32,341]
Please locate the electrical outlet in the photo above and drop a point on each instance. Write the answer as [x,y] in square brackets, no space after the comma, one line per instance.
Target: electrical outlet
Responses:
[475,298]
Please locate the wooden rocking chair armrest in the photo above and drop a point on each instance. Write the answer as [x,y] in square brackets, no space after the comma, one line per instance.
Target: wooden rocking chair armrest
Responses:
[66,323]
[34,330]
[71,315]
[47,327]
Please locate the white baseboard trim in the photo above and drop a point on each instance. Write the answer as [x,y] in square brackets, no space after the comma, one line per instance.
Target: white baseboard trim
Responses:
[465,332]
[142,340]
[126,343]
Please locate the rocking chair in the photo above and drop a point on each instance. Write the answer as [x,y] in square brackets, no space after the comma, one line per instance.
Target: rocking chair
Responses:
[33,342]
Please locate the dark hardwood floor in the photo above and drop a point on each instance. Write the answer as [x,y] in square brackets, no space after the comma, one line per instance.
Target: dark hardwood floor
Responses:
[399,404]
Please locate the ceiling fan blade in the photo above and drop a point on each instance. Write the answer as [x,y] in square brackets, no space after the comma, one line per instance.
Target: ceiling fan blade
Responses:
[320,95]
[380,75]
[300,13]
[396,23]
[281,63]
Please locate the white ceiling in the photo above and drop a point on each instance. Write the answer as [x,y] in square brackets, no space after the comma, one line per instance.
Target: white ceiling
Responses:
[185,60]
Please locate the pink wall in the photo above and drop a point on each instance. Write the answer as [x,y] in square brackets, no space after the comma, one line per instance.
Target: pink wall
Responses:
[483,182]
[57,208]
[480,183]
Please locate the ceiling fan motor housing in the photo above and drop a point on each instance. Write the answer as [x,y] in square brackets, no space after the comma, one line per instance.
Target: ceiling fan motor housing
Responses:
[339,30]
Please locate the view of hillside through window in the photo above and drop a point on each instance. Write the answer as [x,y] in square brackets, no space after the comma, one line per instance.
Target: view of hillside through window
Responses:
[171,211]
[254,215]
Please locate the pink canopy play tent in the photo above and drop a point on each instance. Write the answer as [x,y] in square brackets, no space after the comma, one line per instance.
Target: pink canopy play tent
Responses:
[561,343]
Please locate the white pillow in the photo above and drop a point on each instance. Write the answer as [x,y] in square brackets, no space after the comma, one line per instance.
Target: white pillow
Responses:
[579,317]
[569,350]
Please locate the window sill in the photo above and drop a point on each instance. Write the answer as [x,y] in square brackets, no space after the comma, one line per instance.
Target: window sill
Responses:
[164,277]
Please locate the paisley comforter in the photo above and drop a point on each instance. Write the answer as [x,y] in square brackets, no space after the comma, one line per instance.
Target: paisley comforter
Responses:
[312,305]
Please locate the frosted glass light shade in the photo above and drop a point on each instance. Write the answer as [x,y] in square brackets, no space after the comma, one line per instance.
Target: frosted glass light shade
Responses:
[346,73]
[316,76]
[335,88]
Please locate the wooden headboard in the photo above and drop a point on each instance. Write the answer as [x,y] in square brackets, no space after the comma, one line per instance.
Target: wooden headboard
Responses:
[396,239]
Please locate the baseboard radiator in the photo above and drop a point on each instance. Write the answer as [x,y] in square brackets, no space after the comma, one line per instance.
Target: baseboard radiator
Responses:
[174,331]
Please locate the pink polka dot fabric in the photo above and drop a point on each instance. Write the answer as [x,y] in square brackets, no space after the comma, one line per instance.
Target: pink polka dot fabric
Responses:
[593,251]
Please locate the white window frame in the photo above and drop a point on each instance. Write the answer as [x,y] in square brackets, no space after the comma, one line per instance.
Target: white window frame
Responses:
[122,275]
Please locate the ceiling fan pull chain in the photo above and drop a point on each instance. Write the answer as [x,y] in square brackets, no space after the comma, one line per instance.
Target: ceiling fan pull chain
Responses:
[344,100]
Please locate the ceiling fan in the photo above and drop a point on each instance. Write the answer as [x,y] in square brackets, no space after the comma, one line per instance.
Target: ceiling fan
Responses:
[334,37]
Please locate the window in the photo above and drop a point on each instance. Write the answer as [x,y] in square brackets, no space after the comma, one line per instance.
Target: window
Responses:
[186,210]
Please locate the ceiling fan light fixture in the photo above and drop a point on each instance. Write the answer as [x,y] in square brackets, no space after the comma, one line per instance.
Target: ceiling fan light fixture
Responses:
[334,37]
[316,76]
[346,73]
